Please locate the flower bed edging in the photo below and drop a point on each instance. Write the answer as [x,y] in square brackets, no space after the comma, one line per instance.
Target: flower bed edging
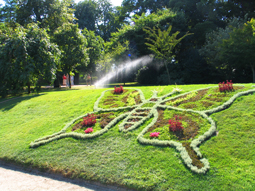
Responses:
[229,102]
[152,112]
[63,134]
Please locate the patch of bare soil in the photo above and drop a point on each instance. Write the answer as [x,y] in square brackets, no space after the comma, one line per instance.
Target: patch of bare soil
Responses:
[127,126]
[134,120]
[200,95]
[195,158]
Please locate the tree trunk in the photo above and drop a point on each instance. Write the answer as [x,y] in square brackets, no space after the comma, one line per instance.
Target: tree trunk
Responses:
[56,83]
[28,88]
[253,72]
[167,72]
[77,79]
[70,85]
[57,80]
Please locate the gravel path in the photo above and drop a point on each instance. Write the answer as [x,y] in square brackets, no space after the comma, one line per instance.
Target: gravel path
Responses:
[14,178]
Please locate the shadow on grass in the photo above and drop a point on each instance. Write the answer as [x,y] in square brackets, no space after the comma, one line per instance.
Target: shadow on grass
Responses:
[9,103]
[45,90]
[34,175]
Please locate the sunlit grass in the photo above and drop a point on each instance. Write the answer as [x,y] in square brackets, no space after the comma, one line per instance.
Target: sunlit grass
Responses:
[117,158]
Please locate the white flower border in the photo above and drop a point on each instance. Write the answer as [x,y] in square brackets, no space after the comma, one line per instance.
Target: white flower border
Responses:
[153,112]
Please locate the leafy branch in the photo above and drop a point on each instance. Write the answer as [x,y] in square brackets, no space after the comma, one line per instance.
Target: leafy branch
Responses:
[162,44]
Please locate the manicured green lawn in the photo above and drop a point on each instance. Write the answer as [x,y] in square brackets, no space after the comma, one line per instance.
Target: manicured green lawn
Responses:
[118,158]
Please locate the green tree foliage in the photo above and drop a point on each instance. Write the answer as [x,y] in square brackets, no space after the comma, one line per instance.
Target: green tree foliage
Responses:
[73,47]
[87,14]
[162,44]
[26,55]
[135,34]
[8,11]
[49,13]
[232,8]
[99,16]
[60,12]
[112,57]
[140,7]
[105,24]
[212,50]
[117,25]
[95,47]
[192,68]
[239,48]
[112,54]
[189,8]
[33,10]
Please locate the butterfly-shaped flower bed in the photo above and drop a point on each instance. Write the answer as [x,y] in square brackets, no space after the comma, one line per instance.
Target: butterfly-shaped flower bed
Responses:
[130,109]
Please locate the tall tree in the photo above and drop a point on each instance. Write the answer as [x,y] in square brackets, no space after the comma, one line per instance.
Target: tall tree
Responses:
[135,34]
[87,14]
[162,44]
[8,12]
[106,18]
[49,13]
[212,49]
[239,48]
[95,46]
[59,13]
[33,10]
[73,47]
[233,8]
[26,55]
[139,7]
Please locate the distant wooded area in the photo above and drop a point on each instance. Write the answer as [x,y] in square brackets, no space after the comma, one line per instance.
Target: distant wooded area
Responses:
[193,41]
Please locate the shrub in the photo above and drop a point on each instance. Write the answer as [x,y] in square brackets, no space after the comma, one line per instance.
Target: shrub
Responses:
[89,120]
[175,124]
[118,90]
[228,86]
[147,75]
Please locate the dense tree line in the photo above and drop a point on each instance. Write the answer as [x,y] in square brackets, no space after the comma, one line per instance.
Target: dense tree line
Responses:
[42,39]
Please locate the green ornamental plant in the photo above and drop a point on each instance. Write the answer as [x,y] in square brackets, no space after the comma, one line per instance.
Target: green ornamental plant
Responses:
[163,44]
[138,115]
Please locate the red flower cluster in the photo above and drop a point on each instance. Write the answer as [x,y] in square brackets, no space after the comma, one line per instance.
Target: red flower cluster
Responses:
[175,124]
[118,90]
[88,130]
[89,120]
[228,86]
[154,134]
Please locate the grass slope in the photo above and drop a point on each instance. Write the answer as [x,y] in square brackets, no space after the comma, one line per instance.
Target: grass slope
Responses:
[117,158]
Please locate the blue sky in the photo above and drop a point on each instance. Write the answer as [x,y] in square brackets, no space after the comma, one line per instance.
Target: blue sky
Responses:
[114,2]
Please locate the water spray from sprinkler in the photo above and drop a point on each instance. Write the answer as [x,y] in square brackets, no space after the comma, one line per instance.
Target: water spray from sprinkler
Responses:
[126,66]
